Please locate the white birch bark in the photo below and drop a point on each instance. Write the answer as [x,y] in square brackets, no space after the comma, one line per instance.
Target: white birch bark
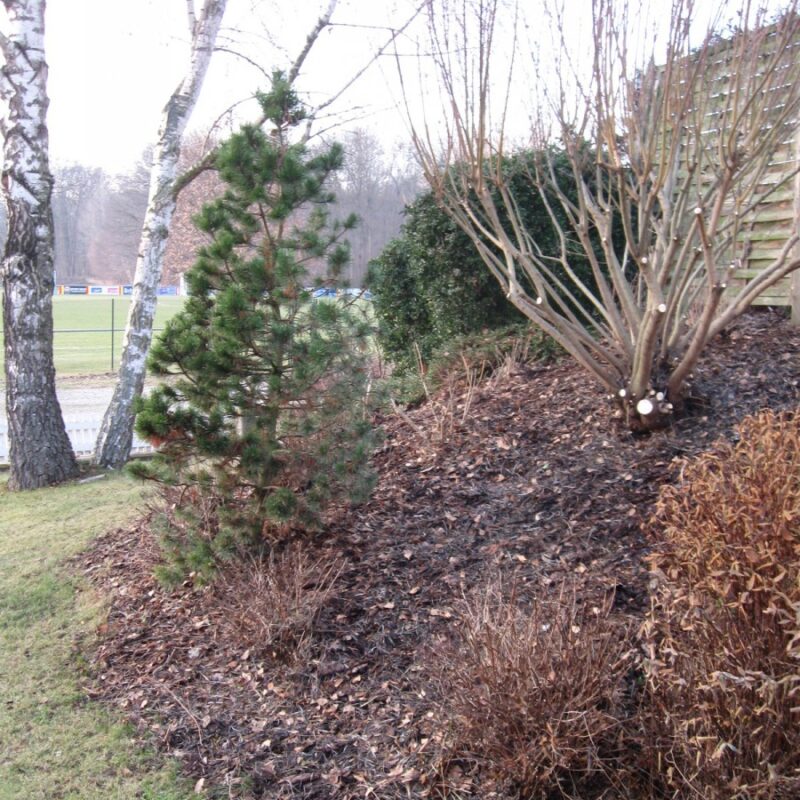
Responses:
[39,448]
[116,432]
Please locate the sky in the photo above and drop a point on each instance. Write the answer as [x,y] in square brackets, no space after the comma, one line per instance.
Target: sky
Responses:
[114,63]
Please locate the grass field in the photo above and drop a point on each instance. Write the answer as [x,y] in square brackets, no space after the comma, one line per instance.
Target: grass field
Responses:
[89,352]
[54,745]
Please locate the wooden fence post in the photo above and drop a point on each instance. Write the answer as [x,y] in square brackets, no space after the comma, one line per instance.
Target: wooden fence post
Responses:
[794,287]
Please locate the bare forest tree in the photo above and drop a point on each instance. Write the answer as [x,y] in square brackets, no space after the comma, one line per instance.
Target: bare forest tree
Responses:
[676,151]
[185,238]
[97,221]
[375,186]
[116,431]
[74,212]
[40,452]
[119,211]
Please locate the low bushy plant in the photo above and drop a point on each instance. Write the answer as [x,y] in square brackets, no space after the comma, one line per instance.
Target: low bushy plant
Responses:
[485,354]
[724,632]
[271,605]
[495,349]
[532,693]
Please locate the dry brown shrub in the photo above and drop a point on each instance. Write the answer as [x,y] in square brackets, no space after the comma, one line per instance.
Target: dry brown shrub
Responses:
[723,631]
[272,604]
[533,694]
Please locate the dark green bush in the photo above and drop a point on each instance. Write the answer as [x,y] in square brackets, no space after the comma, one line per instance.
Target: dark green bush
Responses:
[431,286]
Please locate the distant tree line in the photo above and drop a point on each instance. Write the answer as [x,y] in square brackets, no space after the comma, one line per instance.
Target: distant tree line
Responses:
[98,216]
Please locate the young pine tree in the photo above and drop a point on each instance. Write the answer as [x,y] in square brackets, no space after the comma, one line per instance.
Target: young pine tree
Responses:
[262,417]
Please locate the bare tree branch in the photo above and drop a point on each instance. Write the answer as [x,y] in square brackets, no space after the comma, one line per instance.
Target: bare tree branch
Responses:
[242,57]
[312,37]
[378,53]
[207,162]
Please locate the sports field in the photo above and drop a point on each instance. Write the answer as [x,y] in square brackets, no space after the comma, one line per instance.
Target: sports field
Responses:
[82,340]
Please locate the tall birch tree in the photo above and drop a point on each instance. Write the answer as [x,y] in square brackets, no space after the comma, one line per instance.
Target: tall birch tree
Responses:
[116,432]
[39,448]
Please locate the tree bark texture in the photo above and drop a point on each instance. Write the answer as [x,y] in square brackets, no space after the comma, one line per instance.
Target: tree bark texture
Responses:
[40,452]
[116,433]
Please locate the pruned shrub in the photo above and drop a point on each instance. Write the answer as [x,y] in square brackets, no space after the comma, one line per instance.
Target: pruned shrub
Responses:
[271,605]
[432,286]
[533,694]
[724,629]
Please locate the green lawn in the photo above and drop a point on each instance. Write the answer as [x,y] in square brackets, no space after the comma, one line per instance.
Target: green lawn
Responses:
[90,352]
[54,744]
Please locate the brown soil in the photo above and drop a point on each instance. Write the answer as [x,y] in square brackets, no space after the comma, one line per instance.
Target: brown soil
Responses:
[539,480]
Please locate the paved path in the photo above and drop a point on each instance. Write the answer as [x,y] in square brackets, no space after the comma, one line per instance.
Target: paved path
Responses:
[83,404]
[89,400]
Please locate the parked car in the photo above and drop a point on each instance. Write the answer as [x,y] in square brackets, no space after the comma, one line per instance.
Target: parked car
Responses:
[356,292]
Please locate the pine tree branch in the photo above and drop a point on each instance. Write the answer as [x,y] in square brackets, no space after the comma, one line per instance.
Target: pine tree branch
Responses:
[207,162]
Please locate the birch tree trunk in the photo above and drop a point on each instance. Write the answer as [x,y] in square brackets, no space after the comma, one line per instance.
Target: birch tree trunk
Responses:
[39,448]
[116,432]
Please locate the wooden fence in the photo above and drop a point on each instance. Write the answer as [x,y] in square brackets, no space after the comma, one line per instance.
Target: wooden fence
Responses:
[761,233]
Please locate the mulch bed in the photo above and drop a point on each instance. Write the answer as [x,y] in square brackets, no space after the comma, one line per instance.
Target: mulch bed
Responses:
[538,480]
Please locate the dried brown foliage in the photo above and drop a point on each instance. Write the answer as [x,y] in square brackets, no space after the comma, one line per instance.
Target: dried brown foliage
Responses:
[724,628]
[271,605]
[533,694]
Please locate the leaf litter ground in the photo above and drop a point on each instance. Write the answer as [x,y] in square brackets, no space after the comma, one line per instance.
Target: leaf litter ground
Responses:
[538,482]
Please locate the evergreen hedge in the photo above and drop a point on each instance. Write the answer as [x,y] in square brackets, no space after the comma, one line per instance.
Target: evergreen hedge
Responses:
[431,286]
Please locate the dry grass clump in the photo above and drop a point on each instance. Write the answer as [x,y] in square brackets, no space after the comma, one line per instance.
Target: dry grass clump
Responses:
[271,605]
[533,695]
[724,630]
